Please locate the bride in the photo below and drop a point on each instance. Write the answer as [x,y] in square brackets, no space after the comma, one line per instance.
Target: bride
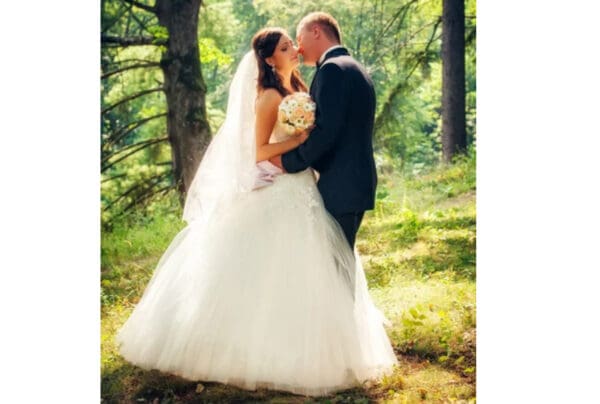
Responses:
[261,288]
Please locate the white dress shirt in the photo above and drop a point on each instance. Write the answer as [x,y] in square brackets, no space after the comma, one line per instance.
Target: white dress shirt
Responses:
[322,58]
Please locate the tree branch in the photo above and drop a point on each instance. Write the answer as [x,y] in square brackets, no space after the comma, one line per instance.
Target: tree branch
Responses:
[122,12]
[115,41]
[146,196]
[122,69]
[424,53]
[114,177]
[139,146]
[138,185]
[384,51]
[137,4]
[371,57]
[141,23]
[387,106]
[124,131]
[403,10]
[131,146]
[116,62]
[131,97]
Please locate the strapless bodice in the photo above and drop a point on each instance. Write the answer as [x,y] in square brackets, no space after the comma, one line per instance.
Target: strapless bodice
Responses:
[278,134]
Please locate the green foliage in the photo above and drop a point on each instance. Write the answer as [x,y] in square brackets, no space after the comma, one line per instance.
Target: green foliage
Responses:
[129,238]
[121,132]
[159,32]
[212,54]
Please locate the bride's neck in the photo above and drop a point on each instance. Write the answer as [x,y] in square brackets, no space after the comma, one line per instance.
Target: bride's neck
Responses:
[286,80]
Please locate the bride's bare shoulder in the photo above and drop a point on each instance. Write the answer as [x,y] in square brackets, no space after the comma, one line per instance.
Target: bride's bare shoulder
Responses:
[268,98]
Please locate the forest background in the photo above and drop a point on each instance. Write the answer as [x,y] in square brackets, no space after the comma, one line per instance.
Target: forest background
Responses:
[418,244]
[145,155]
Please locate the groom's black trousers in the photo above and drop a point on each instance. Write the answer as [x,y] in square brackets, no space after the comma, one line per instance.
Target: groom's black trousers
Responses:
[350,223]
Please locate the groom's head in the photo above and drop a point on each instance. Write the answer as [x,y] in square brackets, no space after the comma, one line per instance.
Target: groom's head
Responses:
[317,32]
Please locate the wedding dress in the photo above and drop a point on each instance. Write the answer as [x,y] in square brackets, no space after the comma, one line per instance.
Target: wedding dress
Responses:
[263,292]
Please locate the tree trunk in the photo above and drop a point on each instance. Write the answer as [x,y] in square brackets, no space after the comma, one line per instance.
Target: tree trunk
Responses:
[185,90]
[454,133]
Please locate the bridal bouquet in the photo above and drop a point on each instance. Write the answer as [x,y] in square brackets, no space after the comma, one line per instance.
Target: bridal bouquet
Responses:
[296,111]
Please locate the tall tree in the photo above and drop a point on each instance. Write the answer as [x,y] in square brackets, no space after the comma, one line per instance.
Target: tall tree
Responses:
[175,30]
[454,134]
[187,125]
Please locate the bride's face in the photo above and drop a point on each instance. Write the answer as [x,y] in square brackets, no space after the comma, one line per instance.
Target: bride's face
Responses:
[285,56]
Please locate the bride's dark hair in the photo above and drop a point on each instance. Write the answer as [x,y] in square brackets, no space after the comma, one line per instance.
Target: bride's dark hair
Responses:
[264,43]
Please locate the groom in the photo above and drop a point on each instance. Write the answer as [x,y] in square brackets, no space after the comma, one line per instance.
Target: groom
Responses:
[340,146]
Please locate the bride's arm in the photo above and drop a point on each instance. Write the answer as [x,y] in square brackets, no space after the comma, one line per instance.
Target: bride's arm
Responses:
[266,116]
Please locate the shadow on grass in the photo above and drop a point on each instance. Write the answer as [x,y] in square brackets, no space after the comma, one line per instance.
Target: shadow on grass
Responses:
[406,229]
[455,255]
[453,223]
[415,380]
[127,384]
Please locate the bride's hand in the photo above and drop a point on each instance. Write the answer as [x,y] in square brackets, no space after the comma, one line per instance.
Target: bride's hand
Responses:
[302,135]
[301,138]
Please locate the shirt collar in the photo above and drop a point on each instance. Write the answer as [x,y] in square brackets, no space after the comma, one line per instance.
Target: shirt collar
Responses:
[322,58]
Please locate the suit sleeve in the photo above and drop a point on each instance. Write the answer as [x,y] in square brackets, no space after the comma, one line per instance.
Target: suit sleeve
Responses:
[330,97]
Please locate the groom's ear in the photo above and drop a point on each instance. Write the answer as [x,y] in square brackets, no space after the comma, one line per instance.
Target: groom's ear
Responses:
[316,31]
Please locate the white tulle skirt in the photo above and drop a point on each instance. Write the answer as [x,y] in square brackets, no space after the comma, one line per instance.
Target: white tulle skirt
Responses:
[260,296]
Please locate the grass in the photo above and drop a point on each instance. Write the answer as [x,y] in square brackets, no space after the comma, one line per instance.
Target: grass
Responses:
[418,250]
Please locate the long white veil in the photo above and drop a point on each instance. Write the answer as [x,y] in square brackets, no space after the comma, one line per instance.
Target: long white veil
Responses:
[229,163]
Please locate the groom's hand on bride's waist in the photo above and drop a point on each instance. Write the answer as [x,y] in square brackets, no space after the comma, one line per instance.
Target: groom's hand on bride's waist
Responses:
[277,161]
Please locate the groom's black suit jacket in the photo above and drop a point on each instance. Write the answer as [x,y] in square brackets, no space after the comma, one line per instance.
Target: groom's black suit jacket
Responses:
[340,147]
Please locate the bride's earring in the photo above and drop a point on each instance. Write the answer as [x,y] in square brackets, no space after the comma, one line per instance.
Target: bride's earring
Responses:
[273,69]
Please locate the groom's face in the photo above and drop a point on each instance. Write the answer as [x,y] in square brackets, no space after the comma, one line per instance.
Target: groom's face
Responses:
[305,37]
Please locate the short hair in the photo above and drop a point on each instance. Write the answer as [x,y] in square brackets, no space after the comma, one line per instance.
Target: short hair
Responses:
[327,23]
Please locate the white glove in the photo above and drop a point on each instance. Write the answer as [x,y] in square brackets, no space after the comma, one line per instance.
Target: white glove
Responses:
[267,172]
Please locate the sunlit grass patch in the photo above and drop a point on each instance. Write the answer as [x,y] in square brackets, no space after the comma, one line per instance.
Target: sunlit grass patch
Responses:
[138,238]
[417,381]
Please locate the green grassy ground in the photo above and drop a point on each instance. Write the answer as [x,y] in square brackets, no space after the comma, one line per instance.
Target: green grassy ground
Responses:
[418,250]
